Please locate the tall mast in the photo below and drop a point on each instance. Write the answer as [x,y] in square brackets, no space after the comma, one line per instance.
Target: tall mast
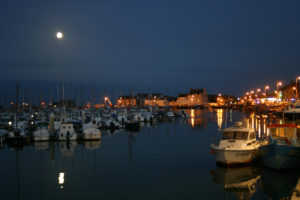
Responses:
[40,95]
[63,98]
[17,101]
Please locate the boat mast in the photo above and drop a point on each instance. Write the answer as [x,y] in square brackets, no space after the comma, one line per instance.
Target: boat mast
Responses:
[16,106]
[63,98]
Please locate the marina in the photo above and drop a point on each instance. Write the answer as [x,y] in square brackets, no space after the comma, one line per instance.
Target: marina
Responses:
[166,155]
[182,99]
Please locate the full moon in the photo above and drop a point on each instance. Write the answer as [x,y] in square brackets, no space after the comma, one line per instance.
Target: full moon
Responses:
[59,35]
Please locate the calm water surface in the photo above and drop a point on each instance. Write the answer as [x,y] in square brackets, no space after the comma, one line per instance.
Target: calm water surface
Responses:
[169,161]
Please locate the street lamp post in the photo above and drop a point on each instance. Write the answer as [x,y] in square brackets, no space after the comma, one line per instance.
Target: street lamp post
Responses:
[258,90]
[247,96]
[278,84]
[298,78]
[266,88]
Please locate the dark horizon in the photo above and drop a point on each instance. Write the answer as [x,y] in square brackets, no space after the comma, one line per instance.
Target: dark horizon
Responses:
[84,92]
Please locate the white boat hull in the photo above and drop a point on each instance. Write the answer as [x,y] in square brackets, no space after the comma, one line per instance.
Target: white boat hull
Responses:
[91,134]
[41,138]
[231,157]
[41,135]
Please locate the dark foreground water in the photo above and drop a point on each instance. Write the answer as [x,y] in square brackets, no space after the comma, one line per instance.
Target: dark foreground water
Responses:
[169,161]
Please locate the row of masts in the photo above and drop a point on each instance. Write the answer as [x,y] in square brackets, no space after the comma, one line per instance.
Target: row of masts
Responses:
[63,93]
[35,94]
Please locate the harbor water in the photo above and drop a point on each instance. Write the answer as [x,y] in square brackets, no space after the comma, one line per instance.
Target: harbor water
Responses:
[170,160]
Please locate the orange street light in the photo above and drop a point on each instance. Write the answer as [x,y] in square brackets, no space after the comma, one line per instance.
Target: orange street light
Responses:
[298,78]
[257,91]
[266,88]
[294,88]
[278,84]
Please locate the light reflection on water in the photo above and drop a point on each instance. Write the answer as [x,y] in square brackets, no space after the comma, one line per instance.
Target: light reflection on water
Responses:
[170,160]
[220,118]
[258,122]
[61,179]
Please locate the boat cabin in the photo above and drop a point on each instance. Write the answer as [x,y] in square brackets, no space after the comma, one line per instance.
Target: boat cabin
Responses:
[293,114]
[238,135]
[67,127]
[283,132]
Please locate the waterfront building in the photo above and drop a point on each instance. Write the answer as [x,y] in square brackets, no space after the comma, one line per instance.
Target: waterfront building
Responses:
[196,97]
[152,99]
[182,100]
[126,101]
[289,91]
[156,101]
[220,99]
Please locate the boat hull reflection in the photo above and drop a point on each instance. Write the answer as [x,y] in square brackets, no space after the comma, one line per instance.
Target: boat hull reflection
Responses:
[240,181]
[41,145]
[67,148]
[92,144]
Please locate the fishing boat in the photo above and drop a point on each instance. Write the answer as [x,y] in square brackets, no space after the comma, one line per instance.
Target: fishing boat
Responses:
[42,132]
[91,132]
[238,145]
[283,149]
[67,132]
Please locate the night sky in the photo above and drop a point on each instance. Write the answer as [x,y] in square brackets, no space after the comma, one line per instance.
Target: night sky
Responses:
[151,46]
